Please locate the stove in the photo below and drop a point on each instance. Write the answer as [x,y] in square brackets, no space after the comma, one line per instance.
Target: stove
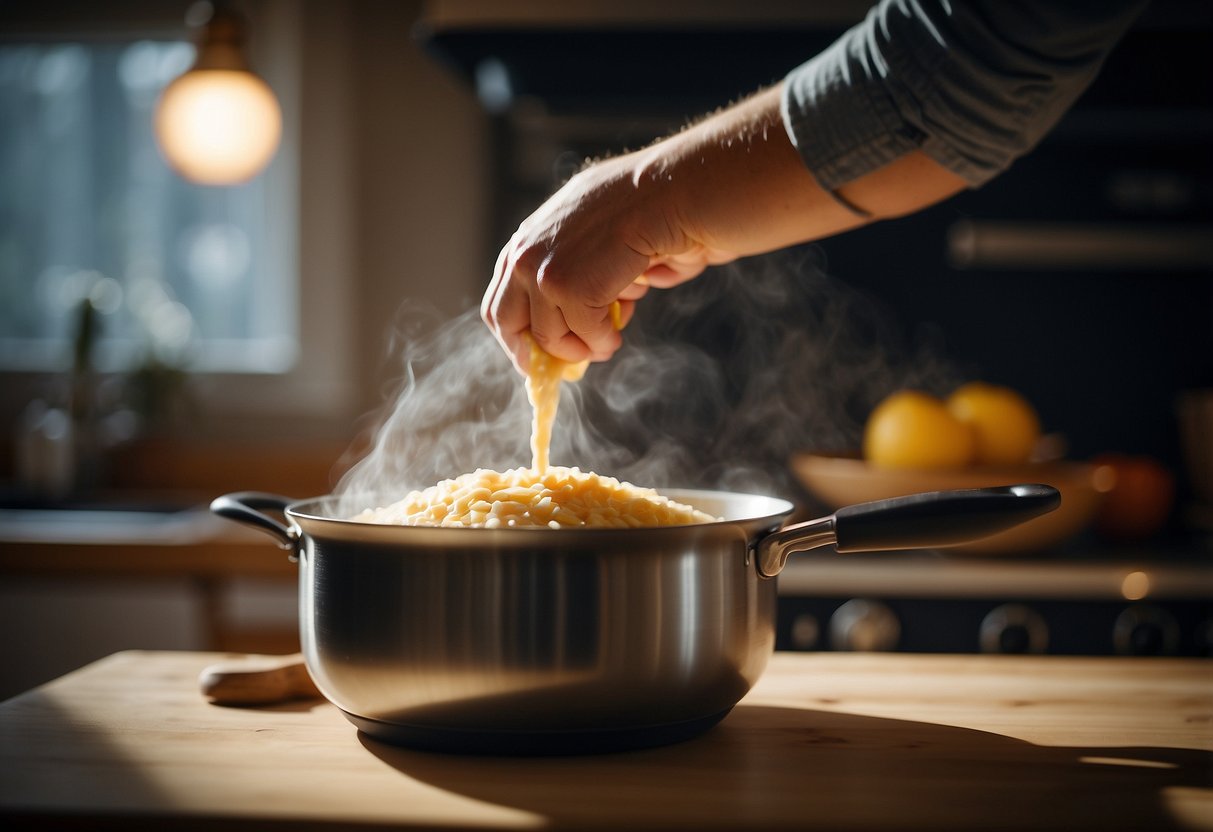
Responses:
[1097,602]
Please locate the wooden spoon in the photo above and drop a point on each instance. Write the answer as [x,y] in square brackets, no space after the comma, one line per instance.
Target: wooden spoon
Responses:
[258,680]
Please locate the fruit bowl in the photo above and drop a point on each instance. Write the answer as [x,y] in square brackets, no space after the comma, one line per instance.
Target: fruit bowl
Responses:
[840,480]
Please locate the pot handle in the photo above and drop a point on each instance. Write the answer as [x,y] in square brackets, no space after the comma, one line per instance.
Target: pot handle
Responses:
[918,521]
[243,507]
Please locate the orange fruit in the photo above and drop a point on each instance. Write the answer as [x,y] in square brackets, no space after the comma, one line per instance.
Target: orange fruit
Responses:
[1005,426]
[911,429]
[1140,501]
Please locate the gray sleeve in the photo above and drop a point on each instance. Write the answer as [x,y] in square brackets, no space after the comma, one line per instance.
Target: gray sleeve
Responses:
[974,84]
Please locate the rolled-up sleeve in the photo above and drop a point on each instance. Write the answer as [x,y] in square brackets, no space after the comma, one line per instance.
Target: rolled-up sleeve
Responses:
[972,84]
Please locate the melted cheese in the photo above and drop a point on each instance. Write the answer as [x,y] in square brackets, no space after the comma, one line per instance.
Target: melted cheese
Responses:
[544,375]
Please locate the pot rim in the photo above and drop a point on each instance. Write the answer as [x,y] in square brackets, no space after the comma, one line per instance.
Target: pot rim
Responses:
[754,512]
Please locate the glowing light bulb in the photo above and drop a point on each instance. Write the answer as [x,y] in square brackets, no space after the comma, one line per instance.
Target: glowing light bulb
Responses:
[218,124]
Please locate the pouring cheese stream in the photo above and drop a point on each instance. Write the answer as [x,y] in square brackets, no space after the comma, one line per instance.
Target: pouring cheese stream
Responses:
[544,374]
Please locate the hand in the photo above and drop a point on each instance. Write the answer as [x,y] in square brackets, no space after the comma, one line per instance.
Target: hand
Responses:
[609,234]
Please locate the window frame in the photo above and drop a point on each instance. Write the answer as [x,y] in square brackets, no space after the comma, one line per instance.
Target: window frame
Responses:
[312,239]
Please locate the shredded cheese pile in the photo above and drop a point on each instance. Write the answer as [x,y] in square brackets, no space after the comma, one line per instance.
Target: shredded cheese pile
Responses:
[540,495]
[524,498]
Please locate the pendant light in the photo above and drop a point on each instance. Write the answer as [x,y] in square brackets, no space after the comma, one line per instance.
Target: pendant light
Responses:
[219,123]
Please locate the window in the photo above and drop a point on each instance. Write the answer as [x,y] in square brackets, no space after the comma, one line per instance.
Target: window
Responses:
[179,274]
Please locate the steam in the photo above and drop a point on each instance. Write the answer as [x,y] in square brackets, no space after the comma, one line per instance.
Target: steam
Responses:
[459,406]
[719,382]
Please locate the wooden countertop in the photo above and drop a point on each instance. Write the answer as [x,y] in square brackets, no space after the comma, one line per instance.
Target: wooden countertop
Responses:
[829,740]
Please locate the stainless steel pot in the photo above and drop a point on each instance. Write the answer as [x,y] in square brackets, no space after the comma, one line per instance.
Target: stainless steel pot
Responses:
[571,640]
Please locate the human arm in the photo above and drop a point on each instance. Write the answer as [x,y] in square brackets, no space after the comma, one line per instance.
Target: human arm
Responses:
[730,186]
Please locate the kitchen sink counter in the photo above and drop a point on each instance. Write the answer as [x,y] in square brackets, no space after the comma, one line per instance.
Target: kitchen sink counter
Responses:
[186,540]
[827,740]
[153,519]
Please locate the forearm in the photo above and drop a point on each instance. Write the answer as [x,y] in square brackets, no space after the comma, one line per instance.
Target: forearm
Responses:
[742,187]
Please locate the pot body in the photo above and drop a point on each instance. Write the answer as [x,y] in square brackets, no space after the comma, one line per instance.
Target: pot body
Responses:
[534,641]
[571,640]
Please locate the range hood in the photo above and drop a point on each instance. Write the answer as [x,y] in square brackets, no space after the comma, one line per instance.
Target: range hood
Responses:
[580,58]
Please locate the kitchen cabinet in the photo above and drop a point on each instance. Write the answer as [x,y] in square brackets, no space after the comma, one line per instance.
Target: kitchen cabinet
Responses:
[830,741]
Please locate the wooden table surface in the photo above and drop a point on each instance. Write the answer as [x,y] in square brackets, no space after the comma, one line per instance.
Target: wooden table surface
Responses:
[825,741]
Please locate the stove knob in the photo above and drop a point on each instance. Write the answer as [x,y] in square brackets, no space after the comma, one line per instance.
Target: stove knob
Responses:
[1013,628]
[1144,630]
[865,626]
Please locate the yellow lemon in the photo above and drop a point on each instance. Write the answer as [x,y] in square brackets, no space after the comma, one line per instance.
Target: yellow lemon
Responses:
[1005,426]
[911,429]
